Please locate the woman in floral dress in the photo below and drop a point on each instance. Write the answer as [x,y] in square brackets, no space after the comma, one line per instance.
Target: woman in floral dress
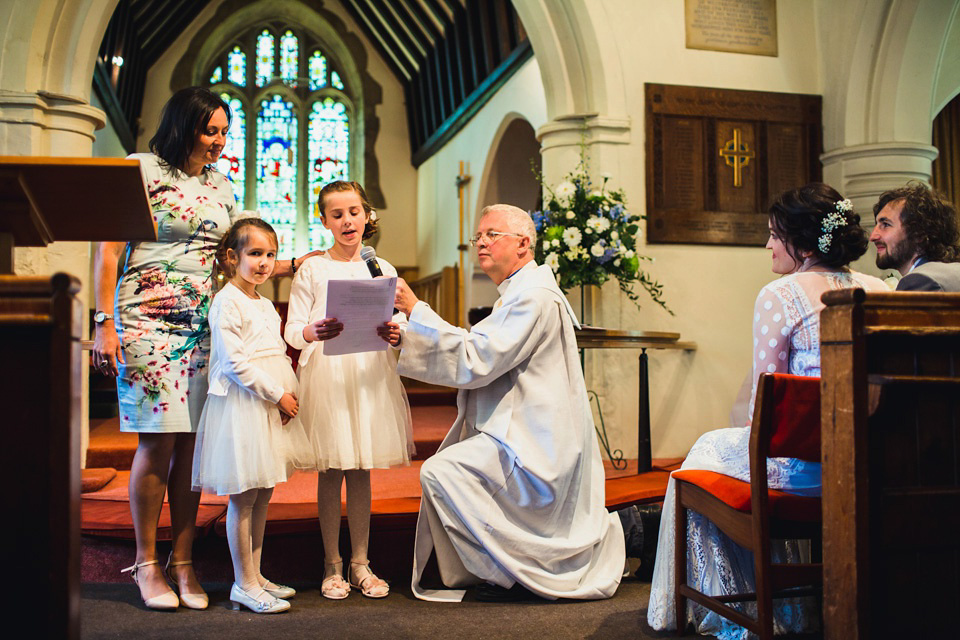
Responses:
[152,333]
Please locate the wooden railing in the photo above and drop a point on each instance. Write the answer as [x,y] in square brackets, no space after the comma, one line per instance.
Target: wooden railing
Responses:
[440,291]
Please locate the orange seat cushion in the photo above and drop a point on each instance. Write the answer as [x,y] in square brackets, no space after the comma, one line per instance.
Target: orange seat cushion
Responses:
[736,494]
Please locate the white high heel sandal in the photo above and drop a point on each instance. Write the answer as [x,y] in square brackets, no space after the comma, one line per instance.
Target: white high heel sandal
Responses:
[189,600]
[165,601]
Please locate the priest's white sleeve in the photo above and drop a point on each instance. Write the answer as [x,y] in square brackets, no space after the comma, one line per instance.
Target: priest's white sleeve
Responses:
[437,352]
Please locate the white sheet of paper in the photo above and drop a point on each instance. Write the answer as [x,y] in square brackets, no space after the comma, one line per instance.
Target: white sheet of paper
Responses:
[361,306]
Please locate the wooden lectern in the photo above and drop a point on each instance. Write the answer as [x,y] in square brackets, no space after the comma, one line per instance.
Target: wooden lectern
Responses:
[43,200]
[890,416]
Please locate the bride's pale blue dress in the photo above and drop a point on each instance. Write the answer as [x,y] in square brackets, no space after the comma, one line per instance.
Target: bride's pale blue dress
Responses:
[786,339]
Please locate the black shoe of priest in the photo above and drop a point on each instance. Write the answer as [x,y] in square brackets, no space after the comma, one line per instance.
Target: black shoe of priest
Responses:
[486,592]
[650,524]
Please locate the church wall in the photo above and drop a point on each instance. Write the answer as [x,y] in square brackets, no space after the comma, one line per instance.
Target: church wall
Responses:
[397,175]
[437,208]
[710,288]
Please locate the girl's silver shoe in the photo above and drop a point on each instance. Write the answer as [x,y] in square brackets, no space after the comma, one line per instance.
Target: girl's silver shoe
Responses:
[279,590]
[240,597]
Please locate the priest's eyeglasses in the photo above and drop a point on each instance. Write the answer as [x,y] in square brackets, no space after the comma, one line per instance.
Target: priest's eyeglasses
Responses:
[489,237]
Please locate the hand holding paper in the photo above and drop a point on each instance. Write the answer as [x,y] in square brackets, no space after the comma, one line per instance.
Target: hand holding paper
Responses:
[361,306]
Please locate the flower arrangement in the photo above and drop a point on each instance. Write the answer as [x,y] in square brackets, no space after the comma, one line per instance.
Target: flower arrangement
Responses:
[588,236]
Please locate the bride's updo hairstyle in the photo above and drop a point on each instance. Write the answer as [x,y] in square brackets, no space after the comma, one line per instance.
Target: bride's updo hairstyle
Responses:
[815,218]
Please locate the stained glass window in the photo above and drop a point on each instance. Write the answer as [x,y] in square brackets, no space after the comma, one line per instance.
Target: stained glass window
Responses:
[277,169]
[232,161]
[329,156]
[289,58]
[237,67]
[318,71]
[289,158]
[264,58]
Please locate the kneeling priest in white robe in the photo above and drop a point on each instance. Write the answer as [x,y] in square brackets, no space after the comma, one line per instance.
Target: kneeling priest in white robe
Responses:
[515,494]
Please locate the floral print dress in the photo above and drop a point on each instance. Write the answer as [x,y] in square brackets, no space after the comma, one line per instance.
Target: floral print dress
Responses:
[162,300]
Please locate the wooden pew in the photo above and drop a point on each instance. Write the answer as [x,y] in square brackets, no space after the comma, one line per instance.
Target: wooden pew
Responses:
[441,291]
[890,389]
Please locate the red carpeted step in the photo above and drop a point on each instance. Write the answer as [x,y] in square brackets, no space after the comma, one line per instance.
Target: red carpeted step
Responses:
[420,394]
[109,448]
[430,426]
[95,479]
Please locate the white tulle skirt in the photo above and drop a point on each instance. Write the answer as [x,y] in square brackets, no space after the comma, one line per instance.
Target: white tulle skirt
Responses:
[354,413]
[241,441]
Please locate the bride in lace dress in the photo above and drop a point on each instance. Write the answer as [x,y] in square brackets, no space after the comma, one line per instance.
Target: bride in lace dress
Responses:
[814,236]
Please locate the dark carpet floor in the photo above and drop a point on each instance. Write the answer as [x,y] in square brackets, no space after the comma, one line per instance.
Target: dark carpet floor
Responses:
[115,611]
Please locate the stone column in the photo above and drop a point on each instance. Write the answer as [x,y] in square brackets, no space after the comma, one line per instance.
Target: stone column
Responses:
[862,172]
[611,373]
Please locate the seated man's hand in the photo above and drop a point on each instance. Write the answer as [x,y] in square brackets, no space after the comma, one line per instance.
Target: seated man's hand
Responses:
[390,332]
[404,300]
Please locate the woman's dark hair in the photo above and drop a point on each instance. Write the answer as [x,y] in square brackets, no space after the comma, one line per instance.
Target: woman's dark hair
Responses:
[928,219]
[185,115]
[342,185]
[236,238]
[797,216]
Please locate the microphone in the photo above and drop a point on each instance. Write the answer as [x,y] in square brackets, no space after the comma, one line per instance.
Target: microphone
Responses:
[369,255]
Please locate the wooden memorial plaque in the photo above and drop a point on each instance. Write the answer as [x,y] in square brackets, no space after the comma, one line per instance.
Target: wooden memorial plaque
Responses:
[716,158]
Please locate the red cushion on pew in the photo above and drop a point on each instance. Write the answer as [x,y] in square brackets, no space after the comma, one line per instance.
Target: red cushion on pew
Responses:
[736,494]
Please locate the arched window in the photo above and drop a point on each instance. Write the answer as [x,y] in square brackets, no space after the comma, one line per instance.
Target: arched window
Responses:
[292,129]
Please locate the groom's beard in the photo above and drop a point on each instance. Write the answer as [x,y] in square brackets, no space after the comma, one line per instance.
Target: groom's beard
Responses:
[897,255]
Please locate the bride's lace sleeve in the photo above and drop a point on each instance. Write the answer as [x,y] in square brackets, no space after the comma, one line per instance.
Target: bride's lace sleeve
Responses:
[771,340]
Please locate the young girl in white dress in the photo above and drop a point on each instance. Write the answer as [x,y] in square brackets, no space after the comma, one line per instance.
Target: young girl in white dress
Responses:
[354,411]
[814,236]
[241,448]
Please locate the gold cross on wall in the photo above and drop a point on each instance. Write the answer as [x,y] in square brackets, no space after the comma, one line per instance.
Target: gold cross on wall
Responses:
[736,154]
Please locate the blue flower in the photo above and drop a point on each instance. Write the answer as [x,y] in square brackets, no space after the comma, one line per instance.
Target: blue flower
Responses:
[538,218]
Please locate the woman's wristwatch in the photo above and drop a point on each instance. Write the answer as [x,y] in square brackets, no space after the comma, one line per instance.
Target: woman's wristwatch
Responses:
[293,266]
[100,317]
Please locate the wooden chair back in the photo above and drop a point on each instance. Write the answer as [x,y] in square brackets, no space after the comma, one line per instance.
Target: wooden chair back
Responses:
[786,423]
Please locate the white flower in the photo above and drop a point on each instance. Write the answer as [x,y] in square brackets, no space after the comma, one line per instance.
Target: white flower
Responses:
[553,261]
[555,242]
[616,262]
[596,194]
[587,230]
[570,215]
[572,236]
[598,223]
[892,282]
[597,250]
[605,175]
[565,190]
[614,235]
[571,254]
[628,253]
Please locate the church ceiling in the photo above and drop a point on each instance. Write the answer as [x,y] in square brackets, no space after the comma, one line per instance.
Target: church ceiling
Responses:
[449,55]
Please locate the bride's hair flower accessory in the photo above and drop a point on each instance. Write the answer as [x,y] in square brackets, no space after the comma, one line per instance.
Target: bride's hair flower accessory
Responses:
[831,223]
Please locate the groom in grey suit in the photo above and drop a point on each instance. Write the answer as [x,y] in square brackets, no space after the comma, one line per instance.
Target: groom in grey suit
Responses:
[916,234]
